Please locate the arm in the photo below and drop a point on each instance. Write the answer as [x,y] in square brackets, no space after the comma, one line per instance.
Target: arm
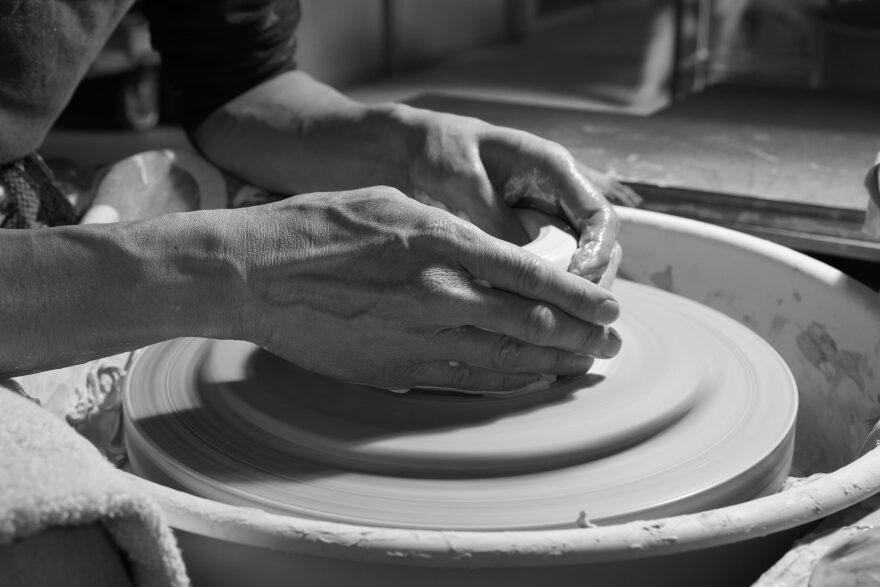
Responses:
[307,279]
[293,134]
[231,62]
[71,294]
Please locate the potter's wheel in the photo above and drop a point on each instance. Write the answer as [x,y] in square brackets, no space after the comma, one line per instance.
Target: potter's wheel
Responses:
[696,412]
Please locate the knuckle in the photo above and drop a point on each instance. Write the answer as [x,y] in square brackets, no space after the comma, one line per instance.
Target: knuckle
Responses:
[442,231]
[581,300]
[505,352]
[439,297]
[388,192]
[531,276]
[560,153]
[591,340]
[539,324]
[434,280]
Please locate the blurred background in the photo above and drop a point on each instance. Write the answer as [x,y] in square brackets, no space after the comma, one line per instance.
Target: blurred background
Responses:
[630,55]
[757,115]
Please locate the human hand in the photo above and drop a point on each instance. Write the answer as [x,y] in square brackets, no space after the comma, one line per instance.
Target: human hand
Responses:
[479,171]
[371,287]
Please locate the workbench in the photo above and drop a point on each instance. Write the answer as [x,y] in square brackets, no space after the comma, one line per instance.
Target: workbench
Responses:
[786,165]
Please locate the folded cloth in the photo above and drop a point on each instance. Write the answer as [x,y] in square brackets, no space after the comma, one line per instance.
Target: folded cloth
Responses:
[872,214]
[31,197]
[51,478]
[854,561]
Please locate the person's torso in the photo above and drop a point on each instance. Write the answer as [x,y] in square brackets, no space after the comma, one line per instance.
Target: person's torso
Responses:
[46,47]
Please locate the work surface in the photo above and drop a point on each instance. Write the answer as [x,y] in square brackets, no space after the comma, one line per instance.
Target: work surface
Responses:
[788,165]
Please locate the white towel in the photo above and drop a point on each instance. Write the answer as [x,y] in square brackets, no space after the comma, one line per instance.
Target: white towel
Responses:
[51,478]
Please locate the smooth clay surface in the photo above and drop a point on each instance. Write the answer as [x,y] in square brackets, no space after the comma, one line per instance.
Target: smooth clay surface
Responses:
[696,412]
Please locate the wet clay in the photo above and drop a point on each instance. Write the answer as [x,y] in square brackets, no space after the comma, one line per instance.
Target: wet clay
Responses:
[695,412]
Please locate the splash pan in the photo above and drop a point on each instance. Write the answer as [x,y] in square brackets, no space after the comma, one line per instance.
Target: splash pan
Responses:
[780,294]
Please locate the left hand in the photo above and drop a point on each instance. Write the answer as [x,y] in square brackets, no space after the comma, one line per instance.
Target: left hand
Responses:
[479,171]
[294,135]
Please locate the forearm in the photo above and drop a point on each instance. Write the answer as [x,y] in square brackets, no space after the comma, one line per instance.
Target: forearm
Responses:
[293,134]
[71,294]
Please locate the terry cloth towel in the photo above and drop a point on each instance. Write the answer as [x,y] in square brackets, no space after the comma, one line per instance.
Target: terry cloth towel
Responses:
[872,214]
[54,487]
[31,197]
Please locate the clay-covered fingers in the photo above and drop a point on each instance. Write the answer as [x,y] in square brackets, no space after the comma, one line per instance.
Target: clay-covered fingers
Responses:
[546,176]
[592,216]
[505,354]
[597,242]
[614,191]
[607,278]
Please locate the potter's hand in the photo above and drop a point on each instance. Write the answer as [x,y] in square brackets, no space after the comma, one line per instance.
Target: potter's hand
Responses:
[293,134]
[371,287]
[478,171]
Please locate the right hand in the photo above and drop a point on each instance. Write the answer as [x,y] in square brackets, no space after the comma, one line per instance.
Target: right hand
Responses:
[372,287]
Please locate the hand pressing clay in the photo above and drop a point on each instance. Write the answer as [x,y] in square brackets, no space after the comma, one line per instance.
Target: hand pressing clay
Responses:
[534,190]
[555,242]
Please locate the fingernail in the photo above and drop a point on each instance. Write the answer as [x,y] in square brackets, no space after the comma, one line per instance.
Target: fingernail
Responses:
[612,344]
[607,312]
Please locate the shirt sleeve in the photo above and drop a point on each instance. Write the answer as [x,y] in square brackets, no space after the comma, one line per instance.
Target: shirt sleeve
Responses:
[214,50]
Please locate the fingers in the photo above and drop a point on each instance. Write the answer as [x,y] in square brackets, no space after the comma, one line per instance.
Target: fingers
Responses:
[611,270]
[547,326]
[614,191]
[544,171]
[509,355]
[585,263]
[511,269]
[594,219]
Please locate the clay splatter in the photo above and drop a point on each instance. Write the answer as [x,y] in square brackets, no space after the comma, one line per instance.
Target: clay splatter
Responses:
[583,521]
[776,327]
[820,349]
[663,279]
[750,321]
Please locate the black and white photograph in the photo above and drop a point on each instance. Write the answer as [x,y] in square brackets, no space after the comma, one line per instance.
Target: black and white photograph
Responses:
[439,293]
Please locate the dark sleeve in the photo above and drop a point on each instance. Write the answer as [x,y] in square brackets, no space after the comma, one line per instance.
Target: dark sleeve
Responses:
[213,50]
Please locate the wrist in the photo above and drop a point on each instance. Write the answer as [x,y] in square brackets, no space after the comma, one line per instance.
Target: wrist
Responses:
[190,275]
[293,134]
[396,134]
[76,293]
[411,129]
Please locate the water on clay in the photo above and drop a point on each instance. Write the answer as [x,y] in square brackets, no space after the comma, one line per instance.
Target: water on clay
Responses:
[696,412]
